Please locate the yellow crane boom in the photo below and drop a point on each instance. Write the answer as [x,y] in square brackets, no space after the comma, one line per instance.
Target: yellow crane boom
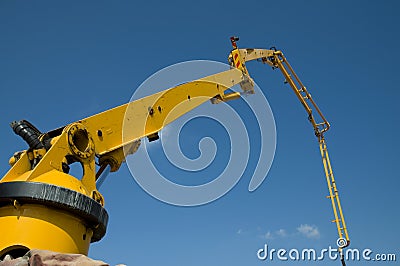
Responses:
[59,212]
[39,182]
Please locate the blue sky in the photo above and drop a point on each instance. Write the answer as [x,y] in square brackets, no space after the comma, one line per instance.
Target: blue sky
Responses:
[61,61]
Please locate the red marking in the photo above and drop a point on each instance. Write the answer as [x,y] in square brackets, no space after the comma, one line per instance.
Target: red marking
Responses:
[236,56]
[237,64]
[233,41]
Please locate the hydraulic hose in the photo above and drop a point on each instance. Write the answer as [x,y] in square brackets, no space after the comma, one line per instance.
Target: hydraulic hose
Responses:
[28,132]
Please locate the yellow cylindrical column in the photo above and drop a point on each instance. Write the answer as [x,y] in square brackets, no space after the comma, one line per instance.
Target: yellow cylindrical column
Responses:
[37,215]
[41,227]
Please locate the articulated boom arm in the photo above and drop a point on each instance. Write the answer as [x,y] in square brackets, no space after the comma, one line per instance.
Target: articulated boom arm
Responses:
[64,213]
[57,211]
[276,59]
[115,133]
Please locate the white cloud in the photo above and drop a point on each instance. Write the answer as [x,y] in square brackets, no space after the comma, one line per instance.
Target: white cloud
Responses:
[269,236]
[281,233]
[309,231]
[277,234]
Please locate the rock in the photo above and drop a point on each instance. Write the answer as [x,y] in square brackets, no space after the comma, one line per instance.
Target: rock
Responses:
[36,257]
